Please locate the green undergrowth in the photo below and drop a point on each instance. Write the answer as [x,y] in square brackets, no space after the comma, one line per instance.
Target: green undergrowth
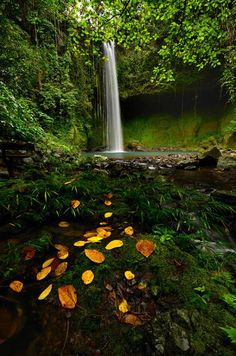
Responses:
[183,275]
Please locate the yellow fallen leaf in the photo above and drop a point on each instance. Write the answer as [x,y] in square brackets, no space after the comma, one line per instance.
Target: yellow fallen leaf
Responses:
[48,262]
[67,296]
[75,203]
[61,268]
[43,273]
[63,254]
[129,231]
[108,215]
[95,239]
[94,255]
[60,247]
[87,277]
[129,275]
[63,224]
[107,202]
[80,243]
[103,223]
[103,233]
[123,306]
[145,247]
[16,286]
[90,234]
[45,292]
[114,244]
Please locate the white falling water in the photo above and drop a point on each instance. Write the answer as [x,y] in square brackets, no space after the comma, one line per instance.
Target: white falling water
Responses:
[114,136]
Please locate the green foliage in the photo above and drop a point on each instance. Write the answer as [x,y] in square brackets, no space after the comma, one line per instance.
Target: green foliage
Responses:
[231,333]
[229,299]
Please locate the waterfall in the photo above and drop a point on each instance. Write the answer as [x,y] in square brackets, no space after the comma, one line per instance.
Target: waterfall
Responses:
[114,136]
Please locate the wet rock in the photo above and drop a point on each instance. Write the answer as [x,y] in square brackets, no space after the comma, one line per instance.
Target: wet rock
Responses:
[226,162]
[190,168]
[180,337]
[210,157]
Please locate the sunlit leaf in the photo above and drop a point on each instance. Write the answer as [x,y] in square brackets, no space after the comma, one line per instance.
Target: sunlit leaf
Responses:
[48,262]
[61,268]
[129,275]
[114,244]
[94,255]
[132,319]
[45,292]
[107,202]
[70,181]
[75,203]
[87,277]
[108,215]
[80,243]
[95,239]
[123,306]
[129,231]
[145,247]
[67,296]
[63,224]
[63,254]
[16,286]
[29,253]
[43,273]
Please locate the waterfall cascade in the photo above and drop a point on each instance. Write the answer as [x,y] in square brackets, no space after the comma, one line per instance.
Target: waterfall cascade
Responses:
[114,136]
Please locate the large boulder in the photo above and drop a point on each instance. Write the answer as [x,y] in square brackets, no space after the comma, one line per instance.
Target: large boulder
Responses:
[210,157]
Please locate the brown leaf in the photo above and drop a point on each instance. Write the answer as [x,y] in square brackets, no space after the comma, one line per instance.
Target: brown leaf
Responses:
[67,296]
[75,203]
[114,244]
[29,253]
[94,255]
[131,319]
[43,273]
[145,247]
[16,286]
[45,292]
[109,195]
[61,268]
[87,277]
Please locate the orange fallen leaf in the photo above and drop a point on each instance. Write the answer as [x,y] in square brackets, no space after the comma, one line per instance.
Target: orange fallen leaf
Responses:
[109,195]
[90,234]
[75,203]
[48,262]
[129,275]
[29,253]
[63,224]
[60,247]
[80,243]
[132,319]
[43,273]
[106,228]
[94,255]
[123,306]
[16,286]
[108,215]
[107,202]
[67,296]
[87,277]
[114,244]
[61,268]
[45,292]
[145,247]
[129,231]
